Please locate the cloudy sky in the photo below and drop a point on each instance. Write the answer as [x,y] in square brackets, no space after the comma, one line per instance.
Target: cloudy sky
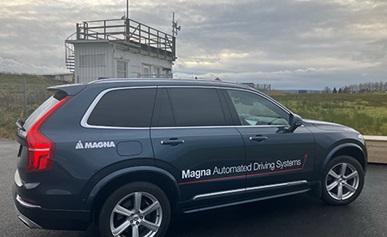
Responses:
[291,44]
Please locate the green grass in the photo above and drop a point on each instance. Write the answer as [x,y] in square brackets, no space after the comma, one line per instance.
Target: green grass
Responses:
[12,98]
[366,113]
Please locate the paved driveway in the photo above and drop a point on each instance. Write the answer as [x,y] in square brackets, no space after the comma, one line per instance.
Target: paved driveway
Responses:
[298,215]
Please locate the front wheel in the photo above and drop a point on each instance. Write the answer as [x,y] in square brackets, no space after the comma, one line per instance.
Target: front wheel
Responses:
[138,209]
[342,181]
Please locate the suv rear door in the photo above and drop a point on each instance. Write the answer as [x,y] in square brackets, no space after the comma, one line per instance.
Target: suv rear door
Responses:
[192,140]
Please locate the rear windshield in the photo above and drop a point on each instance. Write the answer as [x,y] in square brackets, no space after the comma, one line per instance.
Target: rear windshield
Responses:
[42,109]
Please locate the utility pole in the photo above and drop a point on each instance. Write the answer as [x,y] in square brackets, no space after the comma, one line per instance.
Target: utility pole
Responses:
[25,99]
[127,23]
[127,9]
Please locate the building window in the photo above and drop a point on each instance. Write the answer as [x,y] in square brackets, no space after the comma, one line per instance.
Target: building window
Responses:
[94,60]
[146,70]
[157,71]
[122,69]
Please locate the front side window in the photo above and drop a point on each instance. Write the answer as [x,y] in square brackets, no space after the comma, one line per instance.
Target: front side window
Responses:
[124,108]
[196,107]
[255,110]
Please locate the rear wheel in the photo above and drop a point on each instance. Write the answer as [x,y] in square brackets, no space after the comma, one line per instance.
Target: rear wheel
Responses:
[342,181]
[138,209]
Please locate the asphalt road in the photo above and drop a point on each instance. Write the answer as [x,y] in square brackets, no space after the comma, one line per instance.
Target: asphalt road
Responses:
[298,215]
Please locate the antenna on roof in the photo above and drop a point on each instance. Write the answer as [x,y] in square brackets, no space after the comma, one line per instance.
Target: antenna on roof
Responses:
[175,28]
[127,9]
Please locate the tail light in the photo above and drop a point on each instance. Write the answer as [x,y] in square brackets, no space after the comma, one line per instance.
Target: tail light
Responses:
[40,148]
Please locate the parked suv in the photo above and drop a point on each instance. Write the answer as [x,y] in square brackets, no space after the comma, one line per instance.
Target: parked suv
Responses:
[127,154]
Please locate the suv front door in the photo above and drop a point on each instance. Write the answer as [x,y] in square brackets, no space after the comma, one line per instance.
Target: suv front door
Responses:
[279,158]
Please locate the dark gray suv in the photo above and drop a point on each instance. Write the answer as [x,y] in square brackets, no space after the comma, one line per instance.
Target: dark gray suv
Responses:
[127,154]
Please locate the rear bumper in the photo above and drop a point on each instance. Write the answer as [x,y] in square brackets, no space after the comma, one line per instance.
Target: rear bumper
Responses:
[36,217]
[29,223]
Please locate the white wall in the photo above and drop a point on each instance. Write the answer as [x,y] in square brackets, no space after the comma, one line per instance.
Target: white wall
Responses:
[94,59]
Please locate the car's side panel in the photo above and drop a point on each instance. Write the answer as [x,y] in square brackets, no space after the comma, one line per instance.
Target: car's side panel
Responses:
[130,173]
[280,157]
[210,159]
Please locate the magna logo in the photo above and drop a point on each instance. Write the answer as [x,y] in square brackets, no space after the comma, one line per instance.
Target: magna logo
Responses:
[94,145]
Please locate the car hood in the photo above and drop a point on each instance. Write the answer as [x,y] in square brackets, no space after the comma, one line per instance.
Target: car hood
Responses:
[327,126]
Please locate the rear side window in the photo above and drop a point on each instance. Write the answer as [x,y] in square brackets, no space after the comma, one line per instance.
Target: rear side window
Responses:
[124,108]
[43,109]
[196,107]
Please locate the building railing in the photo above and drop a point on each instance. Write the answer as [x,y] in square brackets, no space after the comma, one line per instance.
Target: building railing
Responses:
[69,54]
[169,75]
[131,34]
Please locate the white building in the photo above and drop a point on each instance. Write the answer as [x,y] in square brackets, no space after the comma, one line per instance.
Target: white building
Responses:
[119,48]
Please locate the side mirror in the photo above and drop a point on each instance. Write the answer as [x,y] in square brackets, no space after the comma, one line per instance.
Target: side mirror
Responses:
[295,122]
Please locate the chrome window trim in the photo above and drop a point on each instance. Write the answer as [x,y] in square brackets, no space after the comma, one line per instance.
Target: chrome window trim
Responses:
[225,126]
[101,94]
[249,189]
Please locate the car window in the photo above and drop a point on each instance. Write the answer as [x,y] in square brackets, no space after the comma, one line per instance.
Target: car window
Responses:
[163,115]
[124,108]
[43,108]
[253,109]
[196,107]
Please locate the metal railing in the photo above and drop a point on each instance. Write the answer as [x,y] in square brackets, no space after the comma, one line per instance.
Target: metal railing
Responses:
[69,54]
[169,75]
[131,34]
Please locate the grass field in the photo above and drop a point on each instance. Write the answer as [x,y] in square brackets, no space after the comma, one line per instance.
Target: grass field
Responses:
[12,99]
[366,113]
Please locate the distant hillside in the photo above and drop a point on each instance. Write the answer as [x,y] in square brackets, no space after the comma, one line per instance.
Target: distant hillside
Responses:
[12,98]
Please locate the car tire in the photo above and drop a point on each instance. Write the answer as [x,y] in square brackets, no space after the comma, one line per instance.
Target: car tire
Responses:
[135,209]
[342,181]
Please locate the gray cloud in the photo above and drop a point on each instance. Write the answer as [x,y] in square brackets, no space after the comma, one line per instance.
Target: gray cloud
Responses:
[287,43]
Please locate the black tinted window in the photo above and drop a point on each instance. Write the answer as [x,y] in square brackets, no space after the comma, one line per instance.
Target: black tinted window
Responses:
[163,115]
[124,108]
[196,107]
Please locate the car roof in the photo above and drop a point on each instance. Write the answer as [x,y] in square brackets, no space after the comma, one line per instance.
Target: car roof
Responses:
[102,84]
[118,82]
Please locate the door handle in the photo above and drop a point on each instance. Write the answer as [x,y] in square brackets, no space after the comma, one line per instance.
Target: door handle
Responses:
[172,142]
[258,138]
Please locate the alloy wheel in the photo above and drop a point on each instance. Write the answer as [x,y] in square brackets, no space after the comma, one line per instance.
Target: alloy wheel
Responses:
[342,181]
[138,214]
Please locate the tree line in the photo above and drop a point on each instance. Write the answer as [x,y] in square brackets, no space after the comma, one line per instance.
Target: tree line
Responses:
[359,88]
